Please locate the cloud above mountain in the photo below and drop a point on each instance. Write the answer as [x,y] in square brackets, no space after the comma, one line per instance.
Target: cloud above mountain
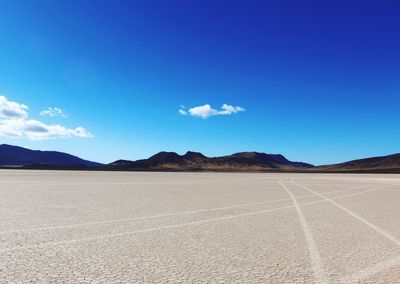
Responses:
[206,110]
[10,109]
[15,123]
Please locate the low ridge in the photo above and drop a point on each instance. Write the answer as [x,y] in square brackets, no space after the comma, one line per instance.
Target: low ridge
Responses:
[15,156]
[390,163]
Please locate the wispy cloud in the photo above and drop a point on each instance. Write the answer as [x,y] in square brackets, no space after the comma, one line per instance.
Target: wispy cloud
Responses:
[206,110]
[183,112]
[14,123]
[53,112]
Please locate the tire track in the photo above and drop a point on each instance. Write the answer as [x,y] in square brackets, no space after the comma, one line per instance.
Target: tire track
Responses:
[315,257]
[369,271]
[212,220]
[123,220]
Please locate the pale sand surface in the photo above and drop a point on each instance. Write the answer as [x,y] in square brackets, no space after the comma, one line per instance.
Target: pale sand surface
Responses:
[119,227]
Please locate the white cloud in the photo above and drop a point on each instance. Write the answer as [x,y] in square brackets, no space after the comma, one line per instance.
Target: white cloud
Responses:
[54,111]
[206,110]
[14,123]
[36,130]
[227,109]
[183,112]
[10,109]
[203,111]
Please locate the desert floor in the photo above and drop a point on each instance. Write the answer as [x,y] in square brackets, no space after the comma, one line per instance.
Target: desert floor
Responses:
[108,227]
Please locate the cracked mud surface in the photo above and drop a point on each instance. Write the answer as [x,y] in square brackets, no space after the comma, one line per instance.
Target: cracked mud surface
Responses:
[109,227]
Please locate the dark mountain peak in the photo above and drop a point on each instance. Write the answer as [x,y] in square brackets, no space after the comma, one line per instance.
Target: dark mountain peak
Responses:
[248,159]
[262,157]
[194,157]
[5,146]
[248,155]
[192,153]
[167,157]
[264,160]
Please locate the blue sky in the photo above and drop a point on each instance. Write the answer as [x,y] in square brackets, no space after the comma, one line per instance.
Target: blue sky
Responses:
[317,81]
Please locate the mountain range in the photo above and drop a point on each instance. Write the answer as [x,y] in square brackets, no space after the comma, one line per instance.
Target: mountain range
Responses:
[18,157]
[194,161]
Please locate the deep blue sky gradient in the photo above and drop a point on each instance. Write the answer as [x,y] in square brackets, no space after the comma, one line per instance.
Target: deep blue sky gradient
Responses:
[320,80]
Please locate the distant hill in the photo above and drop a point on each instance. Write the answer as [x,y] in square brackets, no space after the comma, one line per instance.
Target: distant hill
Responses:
[193,161]
[389,163]
[14,156]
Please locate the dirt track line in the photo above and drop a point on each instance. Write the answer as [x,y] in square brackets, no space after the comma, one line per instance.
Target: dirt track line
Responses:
[173,226]
[315,257]
[354,215]
[166,215]
[370,271]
